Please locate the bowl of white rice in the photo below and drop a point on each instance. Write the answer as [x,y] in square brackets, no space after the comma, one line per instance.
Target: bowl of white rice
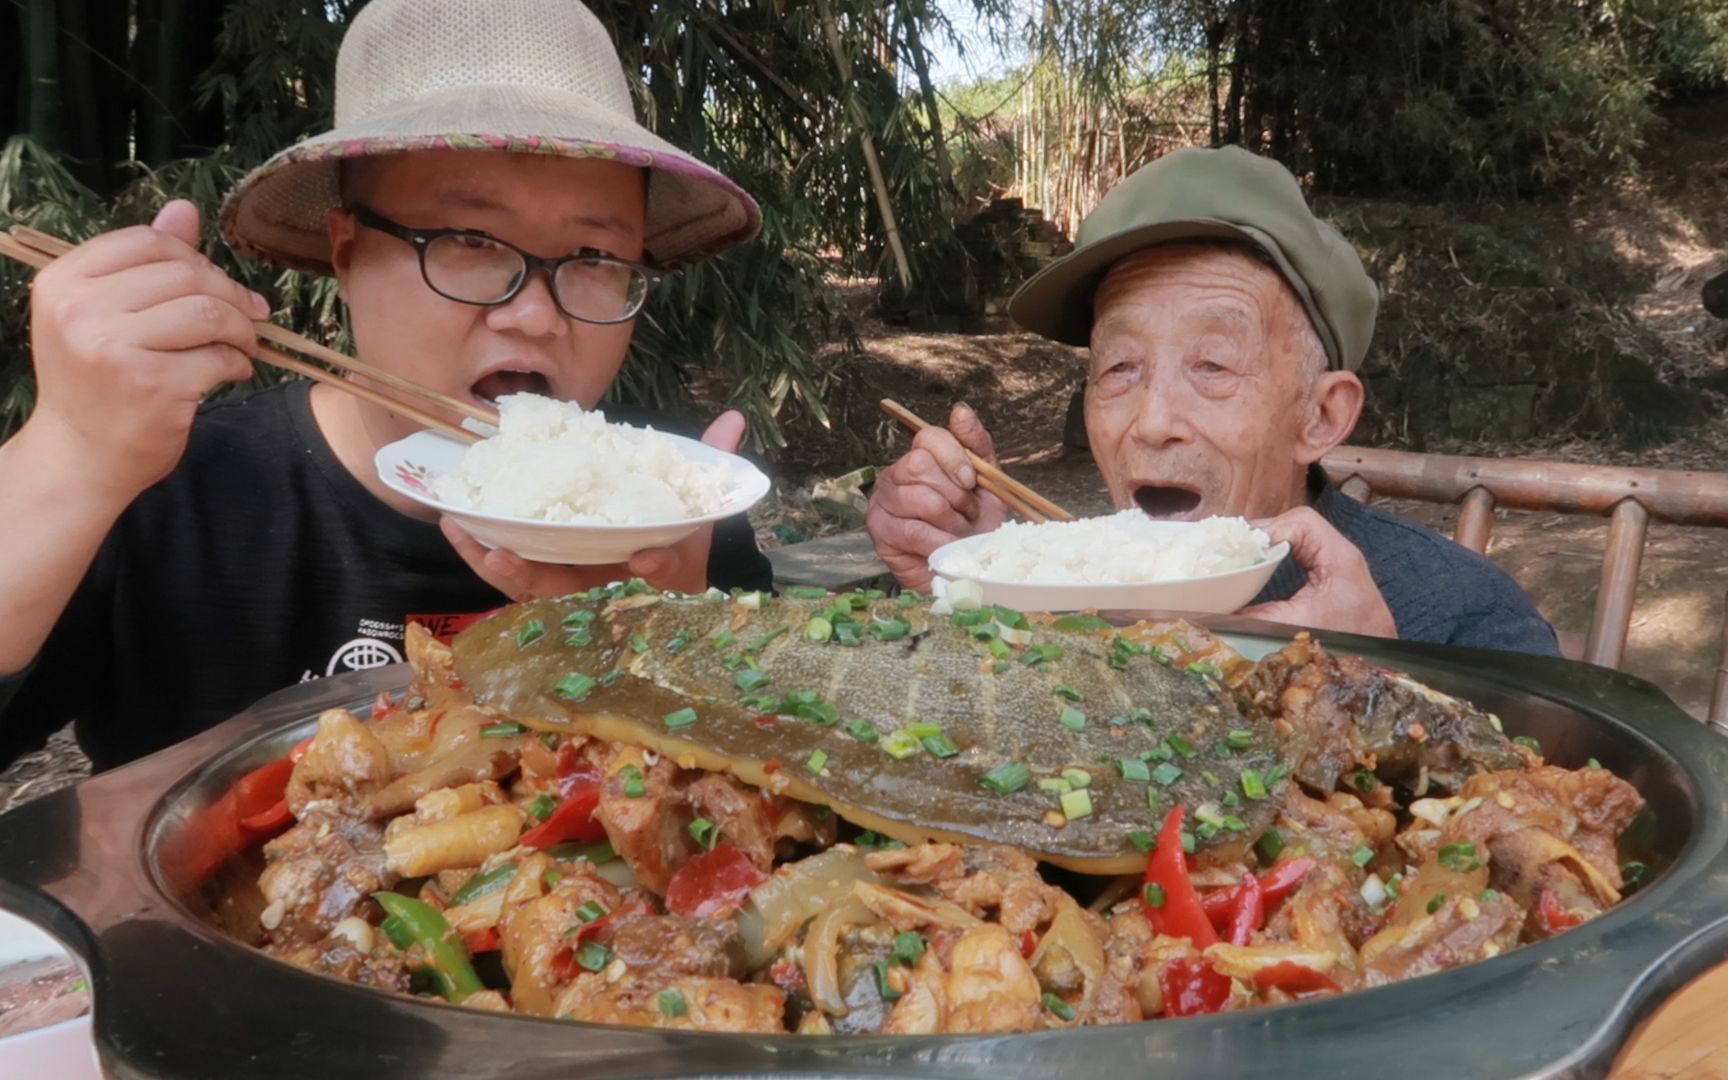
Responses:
[1124,561]
[557,483]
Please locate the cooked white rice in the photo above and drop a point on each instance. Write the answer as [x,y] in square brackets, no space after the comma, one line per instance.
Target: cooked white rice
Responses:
[554,461]
[1124,548]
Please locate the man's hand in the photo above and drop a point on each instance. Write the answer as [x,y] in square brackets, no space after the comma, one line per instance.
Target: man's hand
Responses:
[1340,594]
[129,332]
[683,566]
[931,497]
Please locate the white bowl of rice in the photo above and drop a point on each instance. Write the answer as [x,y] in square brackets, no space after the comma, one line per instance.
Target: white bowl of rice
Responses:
[1125,562]
[559,484]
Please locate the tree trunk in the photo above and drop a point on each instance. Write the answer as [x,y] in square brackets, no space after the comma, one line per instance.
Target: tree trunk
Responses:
[927,90]
[41,32]
[878,183]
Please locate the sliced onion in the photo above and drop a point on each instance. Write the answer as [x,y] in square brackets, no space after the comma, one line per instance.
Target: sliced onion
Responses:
[822,953]
[966,595]
[796,893]
[1069,932]
[941,606]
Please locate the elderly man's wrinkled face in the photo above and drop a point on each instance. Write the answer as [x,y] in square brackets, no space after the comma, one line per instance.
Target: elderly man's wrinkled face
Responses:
[1207,392]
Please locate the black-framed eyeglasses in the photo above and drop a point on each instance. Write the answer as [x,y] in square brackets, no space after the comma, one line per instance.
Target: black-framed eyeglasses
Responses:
[472,267]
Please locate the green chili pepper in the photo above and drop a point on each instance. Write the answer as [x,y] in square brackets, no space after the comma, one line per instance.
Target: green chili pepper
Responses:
[445,957]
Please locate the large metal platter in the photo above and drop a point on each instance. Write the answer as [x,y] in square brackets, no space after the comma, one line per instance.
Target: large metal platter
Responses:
[96,865]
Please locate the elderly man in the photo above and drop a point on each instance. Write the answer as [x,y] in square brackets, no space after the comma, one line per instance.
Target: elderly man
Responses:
[1225,325]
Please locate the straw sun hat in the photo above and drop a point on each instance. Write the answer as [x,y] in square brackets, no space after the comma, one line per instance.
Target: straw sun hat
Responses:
[523,76]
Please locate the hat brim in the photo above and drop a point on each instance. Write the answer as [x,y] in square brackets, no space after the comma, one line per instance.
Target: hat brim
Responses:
[277,212]
[1056,302]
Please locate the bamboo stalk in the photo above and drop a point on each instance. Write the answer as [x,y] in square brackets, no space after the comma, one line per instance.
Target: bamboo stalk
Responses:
[878,183]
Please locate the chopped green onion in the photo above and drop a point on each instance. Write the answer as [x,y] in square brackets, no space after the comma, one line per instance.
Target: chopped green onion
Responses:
[532,630]
[1073,719]
[1435,901]
[1007,778]
[1206,830]
[890,629]
[884,989]
[752,679]
[1039,654]
[723,639]
[940,745]
[1271,843]
[1058,1008]
[574,686]
[1234,823]
[704,832]
[590,910]
[1276,773]
[1001,651]
[671,1002]
[581,639]
[909,598]
[908,947]
[1166,774]
[1253,784]
[1490,895]
[552,877]
[1082,624]
[1059,786]
[541,806]
[1077,778]
[1362,856]
[806,592]
[922,730]
[762,642]
[1593,763]
[1142,840]
[1077,804]
[634,785]
[638,643]
[678,641]
[1231,799]
[1182,746]
[1153,894]
[611,676]
[1205,668]
[680,718]
[1459,857]
[579,617]
[1239,739]
[550,740]
[1364,780]
[503,730]
[1134,769]
[593,956]
[1064,690]
[1525,740]
[818,760]
[818,629]
[901,744]
[862,730]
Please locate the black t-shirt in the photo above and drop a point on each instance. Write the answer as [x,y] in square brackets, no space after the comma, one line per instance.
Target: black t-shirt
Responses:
[260,562]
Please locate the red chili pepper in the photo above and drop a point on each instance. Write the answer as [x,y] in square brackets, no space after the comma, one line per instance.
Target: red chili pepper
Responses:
[1275,885]
[481,941]
[1180,915]
[1552,917]
[1191,987]
[1293,977]
[1028,943]
[1249,912]
[713,883]
[572,820]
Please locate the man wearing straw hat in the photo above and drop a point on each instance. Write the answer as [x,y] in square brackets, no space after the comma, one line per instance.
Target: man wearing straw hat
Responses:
[1225,323]
[165,564]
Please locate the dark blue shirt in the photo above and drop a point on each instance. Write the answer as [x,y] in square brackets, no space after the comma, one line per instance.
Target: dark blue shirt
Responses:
[1438,591]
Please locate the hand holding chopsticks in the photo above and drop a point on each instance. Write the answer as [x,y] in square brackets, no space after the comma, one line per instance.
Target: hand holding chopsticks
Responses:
[1015,495]
[38,249]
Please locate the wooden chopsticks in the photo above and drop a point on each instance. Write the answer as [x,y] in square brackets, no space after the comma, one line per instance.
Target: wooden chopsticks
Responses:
[38,249]
[1018,497]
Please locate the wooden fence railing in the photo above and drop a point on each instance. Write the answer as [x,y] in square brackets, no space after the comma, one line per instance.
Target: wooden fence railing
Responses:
[1629,498]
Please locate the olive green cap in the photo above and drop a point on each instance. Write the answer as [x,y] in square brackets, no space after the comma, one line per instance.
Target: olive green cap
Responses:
[1197,194]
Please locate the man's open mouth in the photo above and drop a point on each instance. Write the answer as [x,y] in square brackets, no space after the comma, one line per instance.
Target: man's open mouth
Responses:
[1164,501]
[500,383]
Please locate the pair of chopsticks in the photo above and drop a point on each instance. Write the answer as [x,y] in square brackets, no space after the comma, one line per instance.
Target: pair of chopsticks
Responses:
[1017,496]
[38,249]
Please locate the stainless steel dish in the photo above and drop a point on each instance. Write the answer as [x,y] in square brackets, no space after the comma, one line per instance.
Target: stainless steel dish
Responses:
[103,866]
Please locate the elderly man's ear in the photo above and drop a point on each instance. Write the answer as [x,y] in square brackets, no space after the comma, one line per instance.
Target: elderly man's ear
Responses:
[1333,410]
